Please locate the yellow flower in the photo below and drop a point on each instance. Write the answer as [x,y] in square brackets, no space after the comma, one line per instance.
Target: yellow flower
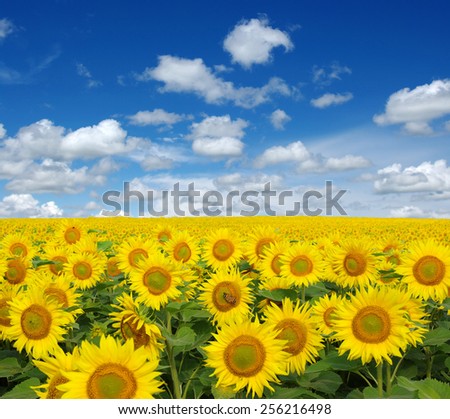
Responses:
[247,355]
[294,325]
[84,269]
[111,371]
[132,251]
[18,245]
[37,323]
[132,322]
[53,366]
[258,241]
[426,270]
[270,264]
[372,325]
[227,296]
[222,249]
[156,281]
[302,264]
[323,313]
[181,248]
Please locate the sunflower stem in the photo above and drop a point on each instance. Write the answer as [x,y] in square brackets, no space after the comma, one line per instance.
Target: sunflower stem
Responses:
[388,380]
[303,294]
[171,358]
[380,379]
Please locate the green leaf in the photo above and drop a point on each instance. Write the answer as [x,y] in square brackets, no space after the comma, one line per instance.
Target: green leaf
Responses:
[223,392]
[279,295]
[437,337]
[447,362]
[184,336]
[402,393]
[333,362]
[325,381]
[104,245]
[427,389]
[9,367]
[23,390]
[371,393]
[291,393]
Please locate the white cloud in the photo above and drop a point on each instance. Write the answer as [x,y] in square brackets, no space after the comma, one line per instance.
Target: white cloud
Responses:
[408,211]
[25,205]
[157,117]
[218,137]
[279,118]
[324,76]
[183,75]
[6,28]
[418,107]
[82,71]
[251,42]
[104,139]
[427,177]
[305,161]
[292,153]
[329,99]
[54,177]
[2,131]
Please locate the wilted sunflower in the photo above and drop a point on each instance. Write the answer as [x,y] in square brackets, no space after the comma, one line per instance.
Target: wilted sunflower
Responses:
[426,270]
[247,355]
[111,371]
[156,280]
[37,323]
[372,325]
[222,249]
[227,296]
[294,325]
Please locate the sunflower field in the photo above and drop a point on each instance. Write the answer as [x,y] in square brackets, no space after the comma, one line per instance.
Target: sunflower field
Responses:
[261,307]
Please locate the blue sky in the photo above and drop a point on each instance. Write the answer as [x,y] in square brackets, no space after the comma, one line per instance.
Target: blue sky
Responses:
[227,95]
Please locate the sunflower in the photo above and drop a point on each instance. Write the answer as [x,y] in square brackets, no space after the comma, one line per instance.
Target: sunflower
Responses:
[227,296]
[132,322]
[7,293]
[52,366]
[84,269]
[70,232]
[182,248]
[112,267]
[16,270]
[302,264]
[111,371]
[387,274]
[247,354]
[354,263]
[57,289]
[426,270]
[37,323]
[58,256]
[417,321]
[270,264]
[132,251]
[156,281]
[272,284]
[258,241]
[294,325]
[17,245]
[323,313]
[372,325]
[222,249]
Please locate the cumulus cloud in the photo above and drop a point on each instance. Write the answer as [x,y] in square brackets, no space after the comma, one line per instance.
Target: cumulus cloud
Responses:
[182,75]
[252,41]
[426,177]
[417,108]
[218,137]
[6,28]
[2,131]
[25,205]
[157,117]
[330,99]
[279,118]
[296,153]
